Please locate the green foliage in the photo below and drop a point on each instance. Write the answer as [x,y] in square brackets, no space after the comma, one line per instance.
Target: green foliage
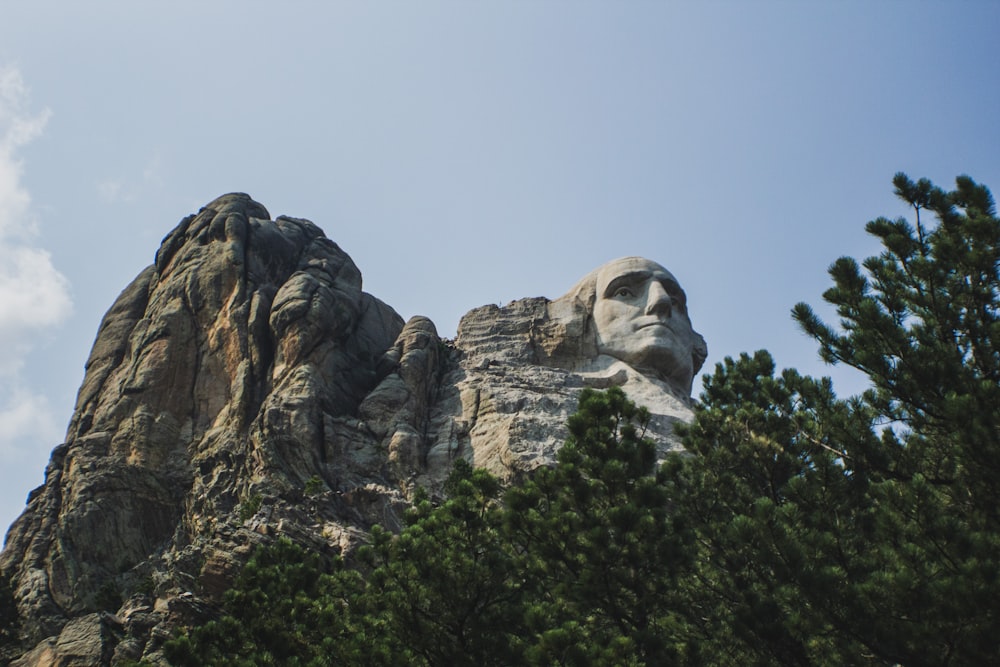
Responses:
[599,544]
[447,589]
[284,609]
[9,620]
[863,531]
[107,597]
[249,507]
[314,486]
[146,586]
[771,499]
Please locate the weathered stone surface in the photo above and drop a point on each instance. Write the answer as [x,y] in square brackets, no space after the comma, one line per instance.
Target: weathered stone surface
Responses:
[244,387]
[84,641]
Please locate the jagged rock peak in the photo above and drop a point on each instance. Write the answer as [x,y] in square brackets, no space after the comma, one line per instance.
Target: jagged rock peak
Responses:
[243,386]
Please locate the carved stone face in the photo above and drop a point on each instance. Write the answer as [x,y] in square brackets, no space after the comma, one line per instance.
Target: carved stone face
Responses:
[640,314]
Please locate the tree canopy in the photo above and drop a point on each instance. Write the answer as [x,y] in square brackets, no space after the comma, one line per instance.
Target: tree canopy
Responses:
[798,528]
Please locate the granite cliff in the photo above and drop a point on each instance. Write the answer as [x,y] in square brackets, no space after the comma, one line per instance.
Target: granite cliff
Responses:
[244,386]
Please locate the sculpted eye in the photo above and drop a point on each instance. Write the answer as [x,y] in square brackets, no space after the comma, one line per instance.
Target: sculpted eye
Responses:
[624,292]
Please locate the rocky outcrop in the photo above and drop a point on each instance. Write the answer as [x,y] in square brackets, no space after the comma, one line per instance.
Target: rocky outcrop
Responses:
[244,387]
[516,379]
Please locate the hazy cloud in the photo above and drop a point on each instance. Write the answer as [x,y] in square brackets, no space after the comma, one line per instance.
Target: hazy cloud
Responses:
[152,173]
[121,190]
[113,191]
[17,128]
[34,296]
[25,418]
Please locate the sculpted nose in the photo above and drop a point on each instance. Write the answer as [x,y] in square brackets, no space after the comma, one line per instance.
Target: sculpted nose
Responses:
[658,301]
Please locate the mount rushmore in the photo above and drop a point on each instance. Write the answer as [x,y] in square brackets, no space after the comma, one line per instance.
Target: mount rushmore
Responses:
[244,387]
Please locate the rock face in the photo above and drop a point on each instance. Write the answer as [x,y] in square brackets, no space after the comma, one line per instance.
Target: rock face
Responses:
[245,387]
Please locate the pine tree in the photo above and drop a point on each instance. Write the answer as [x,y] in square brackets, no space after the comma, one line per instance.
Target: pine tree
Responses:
[445,591]
[599,543]
[285,608]
[863,531]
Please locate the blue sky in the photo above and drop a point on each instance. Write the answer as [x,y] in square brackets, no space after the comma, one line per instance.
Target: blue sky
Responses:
[466,153]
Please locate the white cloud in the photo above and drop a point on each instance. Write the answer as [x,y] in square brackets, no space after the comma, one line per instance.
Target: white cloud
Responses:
[127,190]
[17,127]
[113,191]
[18,124]
[34,296]
[152,173]
[25,417]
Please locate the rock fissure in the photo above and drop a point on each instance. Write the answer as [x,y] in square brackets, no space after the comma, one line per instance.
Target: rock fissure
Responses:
[198,347]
